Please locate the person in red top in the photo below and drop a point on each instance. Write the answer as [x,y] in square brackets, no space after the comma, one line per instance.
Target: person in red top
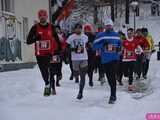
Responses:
[47,43]
[62,37]
[57,65]
[142,41]
[129,55]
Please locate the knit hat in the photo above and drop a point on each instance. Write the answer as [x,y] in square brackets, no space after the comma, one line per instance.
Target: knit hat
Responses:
[108,22]
[88,28]
[42,12]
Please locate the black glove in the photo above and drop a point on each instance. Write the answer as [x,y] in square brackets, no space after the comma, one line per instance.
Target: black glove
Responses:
[153,51]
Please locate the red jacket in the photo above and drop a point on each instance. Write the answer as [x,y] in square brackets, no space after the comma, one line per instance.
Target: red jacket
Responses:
[46,45]
[142,42]
[129,48]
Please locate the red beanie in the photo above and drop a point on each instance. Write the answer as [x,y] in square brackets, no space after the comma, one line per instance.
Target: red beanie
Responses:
[42,12]
[87,28]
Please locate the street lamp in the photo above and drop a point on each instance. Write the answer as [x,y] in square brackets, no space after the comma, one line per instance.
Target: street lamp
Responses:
[134,5]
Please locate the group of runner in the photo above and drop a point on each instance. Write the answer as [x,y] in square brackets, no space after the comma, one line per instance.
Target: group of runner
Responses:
[112,54]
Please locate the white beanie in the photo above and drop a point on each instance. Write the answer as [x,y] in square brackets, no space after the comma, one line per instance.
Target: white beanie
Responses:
[108,22]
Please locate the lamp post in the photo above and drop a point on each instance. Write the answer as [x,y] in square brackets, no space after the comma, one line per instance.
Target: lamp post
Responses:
[134,5]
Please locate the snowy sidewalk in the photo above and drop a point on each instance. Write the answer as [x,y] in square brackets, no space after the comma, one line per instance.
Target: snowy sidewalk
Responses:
[21,98]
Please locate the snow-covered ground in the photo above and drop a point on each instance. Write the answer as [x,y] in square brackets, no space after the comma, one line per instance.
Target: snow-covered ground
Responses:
[21,98]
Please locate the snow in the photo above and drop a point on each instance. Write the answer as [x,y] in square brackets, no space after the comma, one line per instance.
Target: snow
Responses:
[21,98]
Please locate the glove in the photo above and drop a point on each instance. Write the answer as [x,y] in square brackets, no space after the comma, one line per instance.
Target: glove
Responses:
[153,51]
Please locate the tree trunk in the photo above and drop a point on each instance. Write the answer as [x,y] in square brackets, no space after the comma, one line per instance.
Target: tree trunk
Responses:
[127,12]
[112,9]
[95,15]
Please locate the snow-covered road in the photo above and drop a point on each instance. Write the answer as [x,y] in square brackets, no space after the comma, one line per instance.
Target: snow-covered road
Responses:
[21,98]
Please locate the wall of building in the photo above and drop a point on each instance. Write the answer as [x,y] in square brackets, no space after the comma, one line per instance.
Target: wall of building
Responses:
[24,9]
[29,8]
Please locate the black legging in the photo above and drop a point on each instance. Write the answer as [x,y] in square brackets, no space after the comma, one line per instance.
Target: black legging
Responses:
[99,66]
[139,65]
[90,69]
[128,68]
[82,79]
[56,68]
[110,71]
[119,72]
[146,67]
[46,70]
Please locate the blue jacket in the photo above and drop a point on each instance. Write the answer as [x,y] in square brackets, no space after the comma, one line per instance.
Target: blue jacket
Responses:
[109,44]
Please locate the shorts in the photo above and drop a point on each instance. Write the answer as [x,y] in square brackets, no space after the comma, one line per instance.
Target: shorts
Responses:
[79,65]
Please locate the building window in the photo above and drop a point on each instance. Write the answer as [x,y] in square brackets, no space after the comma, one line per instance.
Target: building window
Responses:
[25,28]
[8,5]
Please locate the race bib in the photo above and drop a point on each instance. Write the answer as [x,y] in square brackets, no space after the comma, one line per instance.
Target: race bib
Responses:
[129,53]
[43,45]
[110,48]
[79,49]
[55,59]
